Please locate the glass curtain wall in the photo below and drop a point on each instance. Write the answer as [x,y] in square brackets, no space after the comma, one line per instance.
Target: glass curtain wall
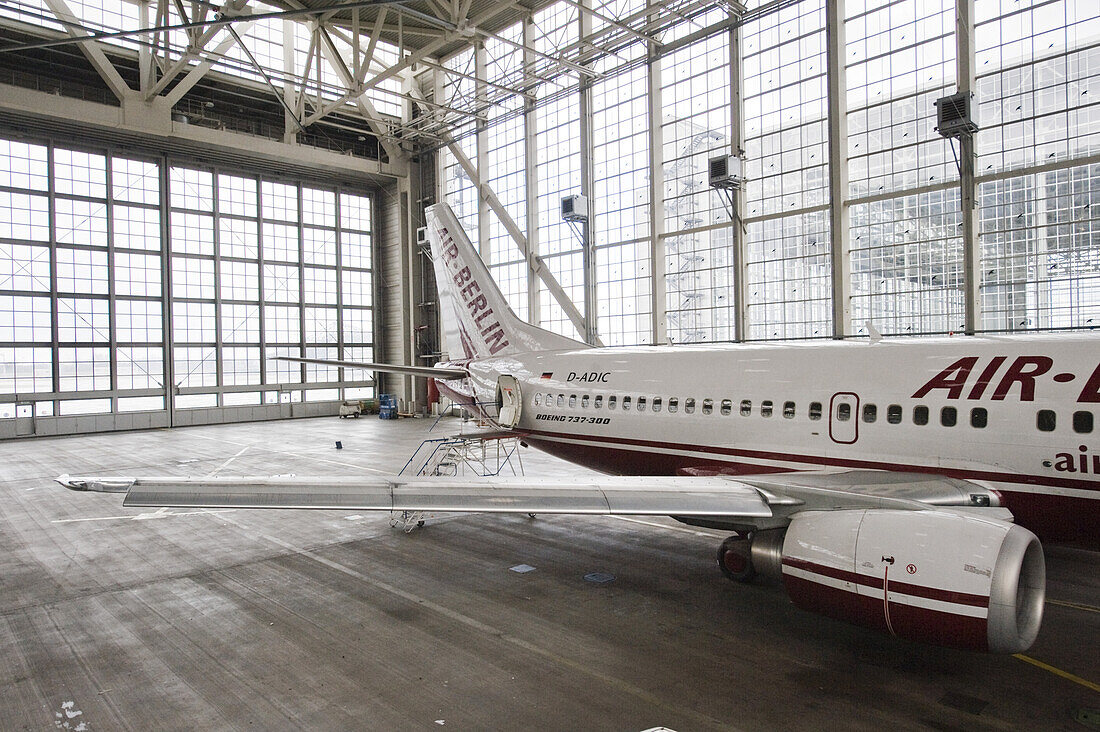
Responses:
[558,167]
[620,198]
[98,308]
[1038,73]
[1037,61]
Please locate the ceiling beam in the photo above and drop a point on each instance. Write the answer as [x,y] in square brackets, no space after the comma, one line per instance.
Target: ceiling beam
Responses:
[366,108]
[91,50]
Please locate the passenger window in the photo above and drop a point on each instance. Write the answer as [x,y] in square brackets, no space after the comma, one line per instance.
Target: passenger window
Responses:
[689,406]
[766,408]
[979,418]
[611,402]
[746,407]
[893,414]
[788,410]
[626,403]
[561,400]
[708,406]
[538,399]
[673,405]
[727,407]
[572,400]
[641,404]
[598,401]
[949,416]
[584,402]
[843,412]
[870,413]
[1045,420]
[815,411]
[656,404]
[920,415]
[1082,422]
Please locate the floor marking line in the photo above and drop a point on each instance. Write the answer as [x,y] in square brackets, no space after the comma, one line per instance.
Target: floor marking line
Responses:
[162,512]
[307,456]
[1074,605]
[491,631]
[1058,672]
[218,469]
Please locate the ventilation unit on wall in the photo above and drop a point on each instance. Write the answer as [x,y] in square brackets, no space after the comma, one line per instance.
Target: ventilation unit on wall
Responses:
[725,171]
[953,115]
[574,208]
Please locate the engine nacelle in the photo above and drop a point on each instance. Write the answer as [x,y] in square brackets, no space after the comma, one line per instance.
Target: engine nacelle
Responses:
[931,576]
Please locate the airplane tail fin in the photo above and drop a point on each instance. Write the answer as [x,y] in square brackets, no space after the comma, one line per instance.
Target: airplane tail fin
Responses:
[477,321]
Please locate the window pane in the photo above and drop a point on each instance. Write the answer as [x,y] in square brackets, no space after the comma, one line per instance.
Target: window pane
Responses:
[949,416]
[979,417]
[1045,420]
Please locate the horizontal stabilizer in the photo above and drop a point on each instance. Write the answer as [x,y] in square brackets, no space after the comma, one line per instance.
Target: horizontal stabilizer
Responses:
[431,372]
[643,496]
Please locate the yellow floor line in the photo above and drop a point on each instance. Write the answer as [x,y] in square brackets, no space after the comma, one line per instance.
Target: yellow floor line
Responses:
[1058,672]
[1074,605]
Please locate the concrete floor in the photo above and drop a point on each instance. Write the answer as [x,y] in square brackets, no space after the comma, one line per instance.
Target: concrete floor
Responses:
[138,619]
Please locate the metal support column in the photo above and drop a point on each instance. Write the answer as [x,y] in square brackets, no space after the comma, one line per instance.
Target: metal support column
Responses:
[838,169]
[482,155]
[588,255]
[658,297]
[168,330]
[968,186]
[290,93]
[737,144]
[219,336]
[530,150]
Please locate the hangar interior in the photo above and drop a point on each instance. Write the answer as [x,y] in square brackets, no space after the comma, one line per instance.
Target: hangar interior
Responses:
[191,189]
[202,187]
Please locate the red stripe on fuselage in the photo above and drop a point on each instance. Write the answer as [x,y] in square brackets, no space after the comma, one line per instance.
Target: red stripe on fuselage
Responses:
[822,461]
[1053,518]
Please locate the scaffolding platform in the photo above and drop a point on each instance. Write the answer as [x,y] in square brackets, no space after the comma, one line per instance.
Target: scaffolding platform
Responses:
[482,455]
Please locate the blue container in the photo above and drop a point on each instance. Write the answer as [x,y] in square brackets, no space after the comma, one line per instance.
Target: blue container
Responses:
[387,406]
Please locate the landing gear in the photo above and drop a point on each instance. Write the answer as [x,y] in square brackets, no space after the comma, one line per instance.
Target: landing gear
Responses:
[735,557]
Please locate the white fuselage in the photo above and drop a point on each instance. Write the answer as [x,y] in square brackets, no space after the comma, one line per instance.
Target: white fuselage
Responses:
[1015,412]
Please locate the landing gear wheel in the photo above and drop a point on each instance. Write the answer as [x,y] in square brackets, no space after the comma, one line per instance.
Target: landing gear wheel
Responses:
[735,558]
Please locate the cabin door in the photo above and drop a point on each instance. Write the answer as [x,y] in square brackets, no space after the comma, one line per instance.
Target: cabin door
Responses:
[508,401]
[844,418]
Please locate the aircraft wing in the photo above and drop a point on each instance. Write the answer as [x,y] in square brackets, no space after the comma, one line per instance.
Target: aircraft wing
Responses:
[707,496]
[433,372]
[763,501]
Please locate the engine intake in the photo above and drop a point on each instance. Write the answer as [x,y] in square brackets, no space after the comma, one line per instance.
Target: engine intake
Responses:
[931,576]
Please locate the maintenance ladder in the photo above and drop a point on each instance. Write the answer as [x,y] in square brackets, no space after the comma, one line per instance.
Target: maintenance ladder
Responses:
[478,455]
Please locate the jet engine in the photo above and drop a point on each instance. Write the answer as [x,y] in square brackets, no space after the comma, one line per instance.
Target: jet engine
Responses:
[951,579]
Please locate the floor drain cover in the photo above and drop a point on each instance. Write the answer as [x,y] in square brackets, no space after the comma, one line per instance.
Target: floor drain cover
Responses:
[599,577]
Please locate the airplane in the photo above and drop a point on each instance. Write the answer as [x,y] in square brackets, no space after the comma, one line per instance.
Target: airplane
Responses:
[899,484]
